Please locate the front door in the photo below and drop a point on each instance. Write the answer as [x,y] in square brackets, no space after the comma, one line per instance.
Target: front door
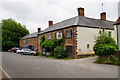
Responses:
[69,50]
[31,47]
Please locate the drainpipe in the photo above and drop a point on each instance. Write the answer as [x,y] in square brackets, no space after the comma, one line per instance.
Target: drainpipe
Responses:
[118,37]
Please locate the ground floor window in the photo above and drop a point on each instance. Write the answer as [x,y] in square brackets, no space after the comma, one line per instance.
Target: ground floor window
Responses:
[31,47]
[69,49]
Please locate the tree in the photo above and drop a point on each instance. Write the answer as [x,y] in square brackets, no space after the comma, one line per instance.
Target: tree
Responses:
[12,32]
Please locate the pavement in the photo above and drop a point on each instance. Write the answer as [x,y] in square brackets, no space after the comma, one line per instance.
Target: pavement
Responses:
[26,66]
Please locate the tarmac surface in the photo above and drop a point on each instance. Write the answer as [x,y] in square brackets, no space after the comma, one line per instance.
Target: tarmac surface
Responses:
[26,66]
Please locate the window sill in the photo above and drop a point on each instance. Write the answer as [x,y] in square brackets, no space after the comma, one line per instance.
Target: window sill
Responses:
[68,37]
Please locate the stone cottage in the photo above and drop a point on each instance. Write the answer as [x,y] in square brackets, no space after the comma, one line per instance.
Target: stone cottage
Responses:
[30,41]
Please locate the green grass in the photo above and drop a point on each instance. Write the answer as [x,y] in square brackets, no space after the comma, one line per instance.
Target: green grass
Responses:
[39,54]
[66,58]
[85,56]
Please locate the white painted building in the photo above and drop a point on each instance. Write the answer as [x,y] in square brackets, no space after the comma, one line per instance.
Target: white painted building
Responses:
[117,31]
[86,39]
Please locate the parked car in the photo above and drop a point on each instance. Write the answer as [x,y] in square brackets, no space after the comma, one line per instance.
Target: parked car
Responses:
[14,49]
[28,51]
[18,51]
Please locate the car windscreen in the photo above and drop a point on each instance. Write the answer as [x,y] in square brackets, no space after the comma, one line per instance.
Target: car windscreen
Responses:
[27,50]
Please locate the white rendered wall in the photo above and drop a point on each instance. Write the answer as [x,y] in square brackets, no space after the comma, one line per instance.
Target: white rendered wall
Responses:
[86,36]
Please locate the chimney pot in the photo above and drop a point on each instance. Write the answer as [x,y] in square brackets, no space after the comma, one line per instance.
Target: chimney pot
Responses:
[81,11]
[50,23]
[103,16]
[39,29]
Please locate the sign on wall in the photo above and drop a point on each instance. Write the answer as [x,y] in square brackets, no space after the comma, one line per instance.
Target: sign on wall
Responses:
[59,35]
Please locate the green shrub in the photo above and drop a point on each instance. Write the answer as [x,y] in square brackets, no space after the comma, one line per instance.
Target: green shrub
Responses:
[104,49]
[109,59]
[105,39]
[59,52]
[105,45]
[51,53]
[51,44]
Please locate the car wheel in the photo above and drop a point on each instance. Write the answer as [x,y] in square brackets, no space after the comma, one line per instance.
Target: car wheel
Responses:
[22,53]
[32,54]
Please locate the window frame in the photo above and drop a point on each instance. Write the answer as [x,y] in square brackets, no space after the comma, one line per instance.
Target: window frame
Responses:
[49,37]
[70,33]
[110,34]
[24,42]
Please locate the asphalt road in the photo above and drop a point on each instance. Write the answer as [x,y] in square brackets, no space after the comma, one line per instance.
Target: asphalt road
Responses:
[26,66]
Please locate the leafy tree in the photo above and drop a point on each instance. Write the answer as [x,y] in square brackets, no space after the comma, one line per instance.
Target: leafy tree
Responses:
[12,32]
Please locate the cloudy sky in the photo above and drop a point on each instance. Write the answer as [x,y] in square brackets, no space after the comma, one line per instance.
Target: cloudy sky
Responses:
[37,13]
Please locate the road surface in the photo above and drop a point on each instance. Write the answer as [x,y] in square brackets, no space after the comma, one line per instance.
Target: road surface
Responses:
[26,66]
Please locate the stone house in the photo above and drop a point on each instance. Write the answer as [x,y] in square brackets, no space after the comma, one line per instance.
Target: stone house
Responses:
[79,32]
[30,41]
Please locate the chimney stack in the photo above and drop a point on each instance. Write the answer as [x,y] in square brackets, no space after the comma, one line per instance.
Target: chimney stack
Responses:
[50,23]
[39,29]
[103,16]
[81,11]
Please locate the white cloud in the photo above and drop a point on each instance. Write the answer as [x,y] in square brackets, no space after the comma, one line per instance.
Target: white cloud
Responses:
[37,13]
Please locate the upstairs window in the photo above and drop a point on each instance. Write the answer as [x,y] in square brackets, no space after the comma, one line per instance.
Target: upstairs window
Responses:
[55,35]
[48,37]
[88,46]
[68,33]
[23,41]
[109,33]
[103,30]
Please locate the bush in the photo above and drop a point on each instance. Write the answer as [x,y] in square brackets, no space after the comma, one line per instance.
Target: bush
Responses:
[59,52]
[105,45]
[51,53]
[105,39]
[104,49]
[110,59]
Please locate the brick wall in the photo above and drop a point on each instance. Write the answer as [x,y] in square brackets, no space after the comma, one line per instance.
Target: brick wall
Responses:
[29,41]
[68,41]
